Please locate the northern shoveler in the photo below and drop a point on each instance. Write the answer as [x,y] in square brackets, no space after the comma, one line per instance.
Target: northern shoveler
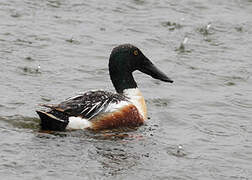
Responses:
[99,109]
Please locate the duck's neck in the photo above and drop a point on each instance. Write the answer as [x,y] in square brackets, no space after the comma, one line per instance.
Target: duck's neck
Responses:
[135,96]
[122,80]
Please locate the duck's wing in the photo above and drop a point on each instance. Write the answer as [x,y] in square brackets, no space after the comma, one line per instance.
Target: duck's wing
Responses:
[87,105]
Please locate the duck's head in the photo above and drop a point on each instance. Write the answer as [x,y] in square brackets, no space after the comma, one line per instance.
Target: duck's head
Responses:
[124,60]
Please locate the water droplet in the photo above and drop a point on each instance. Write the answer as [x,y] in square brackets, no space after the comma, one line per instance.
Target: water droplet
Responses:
[179,149]
[185,40]
[208,26]
[38,68]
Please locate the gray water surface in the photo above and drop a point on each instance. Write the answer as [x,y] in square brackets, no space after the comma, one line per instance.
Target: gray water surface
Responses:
[199,127]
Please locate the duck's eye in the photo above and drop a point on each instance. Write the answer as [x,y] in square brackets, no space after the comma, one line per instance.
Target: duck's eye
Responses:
[135,52]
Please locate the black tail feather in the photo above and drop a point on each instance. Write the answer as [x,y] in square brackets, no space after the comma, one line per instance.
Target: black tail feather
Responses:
[50,122]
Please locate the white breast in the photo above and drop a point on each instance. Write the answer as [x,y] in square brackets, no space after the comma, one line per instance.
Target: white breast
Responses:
[136,98]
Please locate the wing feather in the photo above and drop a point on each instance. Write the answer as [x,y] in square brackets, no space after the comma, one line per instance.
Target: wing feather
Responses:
[87,105]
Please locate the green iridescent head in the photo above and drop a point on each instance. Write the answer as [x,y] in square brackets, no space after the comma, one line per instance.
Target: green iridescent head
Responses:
[124,60]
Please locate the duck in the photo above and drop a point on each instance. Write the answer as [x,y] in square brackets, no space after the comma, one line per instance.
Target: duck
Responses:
[103,110]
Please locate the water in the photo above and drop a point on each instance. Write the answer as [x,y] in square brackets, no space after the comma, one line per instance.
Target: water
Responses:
[199,128]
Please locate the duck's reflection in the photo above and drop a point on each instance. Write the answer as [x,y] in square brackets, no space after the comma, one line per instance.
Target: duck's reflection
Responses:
[115,153]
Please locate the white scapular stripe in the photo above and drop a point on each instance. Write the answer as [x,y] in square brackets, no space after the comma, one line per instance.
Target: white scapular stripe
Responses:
[116,106]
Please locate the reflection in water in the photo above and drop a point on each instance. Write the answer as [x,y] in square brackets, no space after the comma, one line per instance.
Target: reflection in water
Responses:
[115,160]
[114,150]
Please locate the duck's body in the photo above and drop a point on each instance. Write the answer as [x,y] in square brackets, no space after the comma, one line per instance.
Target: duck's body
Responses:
[99,109]
[96,110]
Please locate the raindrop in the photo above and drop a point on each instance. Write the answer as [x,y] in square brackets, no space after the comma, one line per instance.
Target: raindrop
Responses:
[179,149]
[182,45]
[38,68]
[205,30]
[208,26]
